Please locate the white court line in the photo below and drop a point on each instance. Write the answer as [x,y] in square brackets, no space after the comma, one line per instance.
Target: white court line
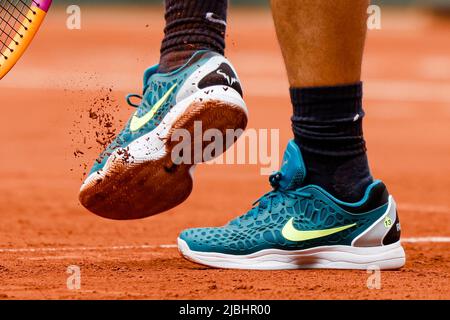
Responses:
[75,249]
[258,85]
[422,208]
[426,240]
[376,89]
[173,246]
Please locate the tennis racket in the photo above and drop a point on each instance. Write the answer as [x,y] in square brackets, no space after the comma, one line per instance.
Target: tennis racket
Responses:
[19,22]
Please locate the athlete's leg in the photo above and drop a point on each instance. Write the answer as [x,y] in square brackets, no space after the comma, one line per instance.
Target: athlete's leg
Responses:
[191,26]
[297,225]
[322,43]
[148,168]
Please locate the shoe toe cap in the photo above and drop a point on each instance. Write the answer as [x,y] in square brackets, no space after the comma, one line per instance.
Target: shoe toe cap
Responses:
[201,239]
[218,240]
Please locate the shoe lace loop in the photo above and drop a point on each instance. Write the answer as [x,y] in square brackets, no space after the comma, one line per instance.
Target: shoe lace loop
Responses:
[131,96]
[276,195]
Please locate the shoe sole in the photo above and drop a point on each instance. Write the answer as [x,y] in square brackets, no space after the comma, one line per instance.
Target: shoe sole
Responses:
[150,183]
[327,257]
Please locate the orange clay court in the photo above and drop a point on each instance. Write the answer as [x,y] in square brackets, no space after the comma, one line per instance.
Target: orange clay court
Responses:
[49,135]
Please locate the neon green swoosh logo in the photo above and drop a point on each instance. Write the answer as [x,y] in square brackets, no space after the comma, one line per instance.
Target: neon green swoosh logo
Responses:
[289,232]
[138,122]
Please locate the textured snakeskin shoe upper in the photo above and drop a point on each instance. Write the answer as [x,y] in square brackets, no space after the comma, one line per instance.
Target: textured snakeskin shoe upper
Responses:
[291,214]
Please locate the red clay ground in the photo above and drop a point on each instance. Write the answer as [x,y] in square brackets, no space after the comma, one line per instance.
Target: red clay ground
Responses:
[44,229]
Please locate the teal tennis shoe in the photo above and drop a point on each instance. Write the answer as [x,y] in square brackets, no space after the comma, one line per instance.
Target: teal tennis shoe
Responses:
[296,226]
[140,174]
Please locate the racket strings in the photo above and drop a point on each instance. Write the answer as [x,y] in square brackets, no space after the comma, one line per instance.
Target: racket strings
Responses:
[17,20]
[29,7]
[13,16]
[8,35]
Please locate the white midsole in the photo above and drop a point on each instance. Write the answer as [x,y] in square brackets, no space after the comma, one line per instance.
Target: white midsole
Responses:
[326,257]
[151,145]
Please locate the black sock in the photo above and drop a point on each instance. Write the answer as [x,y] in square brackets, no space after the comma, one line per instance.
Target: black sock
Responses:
[192,25]
[327,125]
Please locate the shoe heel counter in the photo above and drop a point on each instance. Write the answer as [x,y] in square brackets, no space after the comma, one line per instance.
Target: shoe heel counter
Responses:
[211,70]
[222,74]
[394,233]
[384,231]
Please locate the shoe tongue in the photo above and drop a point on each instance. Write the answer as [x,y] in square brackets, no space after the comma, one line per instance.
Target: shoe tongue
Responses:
[147,74]
[293,171]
